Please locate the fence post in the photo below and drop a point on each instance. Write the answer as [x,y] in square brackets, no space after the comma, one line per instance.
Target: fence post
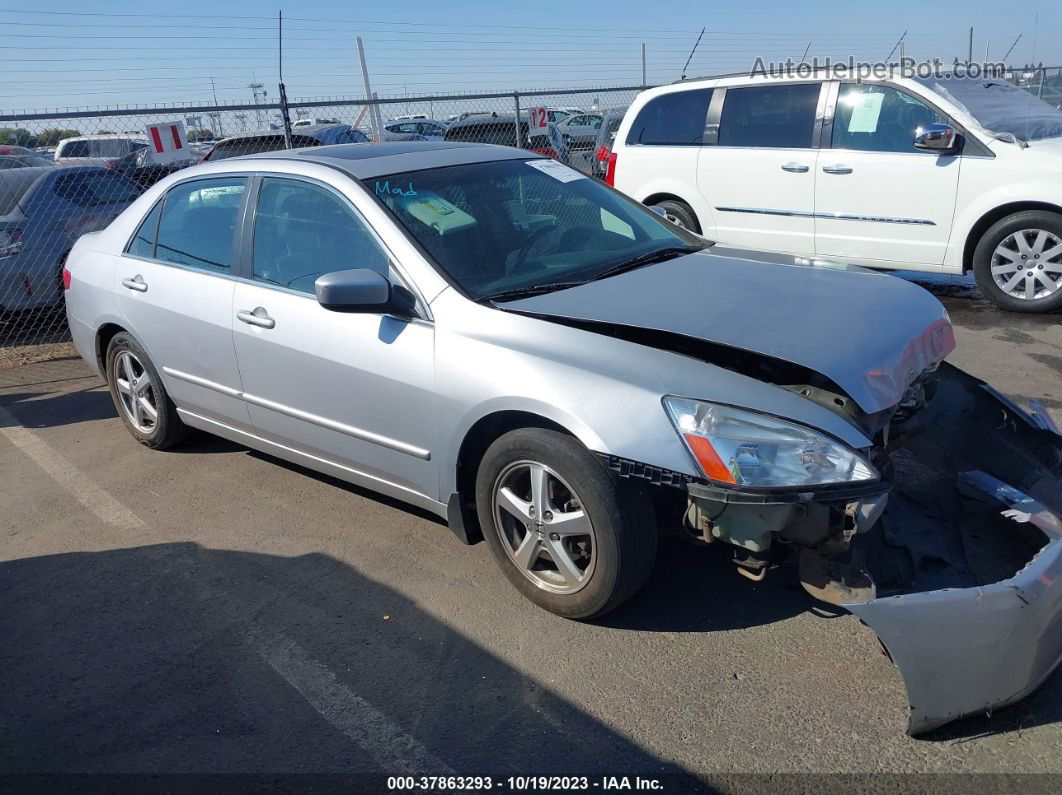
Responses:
[516,123]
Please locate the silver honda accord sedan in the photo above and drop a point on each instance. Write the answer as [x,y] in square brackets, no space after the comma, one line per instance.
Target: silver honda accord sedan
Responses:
[554,368]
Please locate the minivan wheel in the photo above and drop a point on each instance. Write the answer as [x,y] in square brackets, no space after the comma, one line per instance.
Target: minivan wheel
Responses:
[680,214]
[138,394]
[1018,262]
[568,534]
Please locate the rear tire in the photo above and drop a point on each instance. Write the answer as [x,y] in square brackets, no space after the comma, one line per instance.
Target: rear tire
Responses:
[139,396]
[1003,274]
[591,543]
[680,214]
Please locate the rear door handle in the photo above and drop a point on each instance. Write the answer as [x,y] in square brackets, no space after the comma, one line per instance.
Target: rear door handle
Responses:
[136,283]
[259,317]
[838,169]
[795,168]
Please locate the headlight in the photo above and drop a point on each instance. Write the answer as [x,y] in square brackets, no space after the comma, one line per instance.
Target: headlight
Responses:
[749,449]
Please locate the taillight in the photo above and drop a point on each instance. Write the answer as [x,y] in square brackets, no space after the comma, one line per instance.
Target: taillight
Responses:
[548,151]
[602,154]
[66,278]
[610,173]
[10,242]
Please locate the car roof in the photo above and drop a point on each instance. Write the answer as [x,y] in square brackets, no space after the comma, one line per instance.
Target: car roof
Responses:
[106,136]
[304,130]
[365,161]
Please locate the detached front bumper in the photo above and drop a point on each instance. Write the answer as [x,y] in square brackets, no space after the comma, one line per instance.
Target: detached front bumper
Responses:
[967,558]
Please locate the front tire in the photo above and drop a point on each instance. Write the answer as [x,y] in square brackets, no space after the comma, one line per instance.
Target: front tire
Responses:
[1018,262]
[568,534]
[137,391]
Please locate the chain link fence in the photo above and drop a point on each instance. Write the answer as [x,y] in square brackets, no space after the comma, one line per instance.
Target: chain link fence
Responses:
[68,172]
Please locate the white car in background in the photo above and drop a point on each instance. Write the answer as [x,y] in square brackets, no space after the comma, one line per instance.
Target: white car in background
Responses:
[97,150]
[943,175]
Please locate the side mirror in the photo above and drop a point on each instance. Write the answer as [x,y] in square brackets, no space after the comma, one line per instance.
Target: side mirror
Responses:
[656,208]
[939,138]
[362,290]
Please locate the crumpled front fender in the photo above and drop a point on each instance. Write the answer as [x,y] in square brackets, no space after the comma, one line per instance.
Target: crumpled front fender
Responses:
[975,643]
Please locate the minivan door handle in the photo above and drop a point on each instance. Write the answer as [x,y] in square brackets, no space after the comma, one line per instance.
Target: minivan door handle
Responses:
[837,169]
[795,168]
[259,317]
[136,283]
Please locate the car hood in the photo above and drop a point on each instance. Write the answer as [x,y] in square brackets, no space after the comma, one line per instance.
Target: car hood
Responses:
[869,333]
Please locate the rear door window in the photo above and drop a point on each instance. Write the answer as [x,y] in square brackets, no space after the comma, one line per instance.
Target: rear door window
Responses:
[75,149]
[674,119]
[95,188]
[772,116]
[198,223]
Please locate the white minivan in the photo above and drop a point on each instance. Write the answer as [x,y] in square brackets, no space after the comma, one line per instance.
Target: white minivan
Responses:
[940,174]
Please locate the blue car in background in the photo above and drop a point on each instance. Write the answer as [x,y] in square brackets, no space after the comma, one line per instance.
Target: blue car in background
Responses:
[43,211]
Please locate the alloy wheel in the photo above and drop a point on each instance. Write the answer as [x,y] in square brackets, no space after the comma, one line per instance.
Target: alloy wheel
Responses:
[1027,264]
[543,528]
[136,392]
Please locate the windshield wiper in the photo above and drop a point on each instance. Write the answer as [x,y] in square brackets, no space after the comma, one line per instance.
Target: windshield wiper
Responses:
[651,258]
[525,292]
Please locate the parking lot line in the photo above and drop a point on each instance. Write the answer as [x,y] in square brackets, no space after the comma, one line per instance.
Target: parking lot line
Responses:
[101,503]
[394,751]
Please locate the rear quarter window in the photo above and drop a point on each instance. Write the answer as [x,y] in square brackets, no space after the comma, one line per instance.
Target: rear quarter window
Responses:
[674,119]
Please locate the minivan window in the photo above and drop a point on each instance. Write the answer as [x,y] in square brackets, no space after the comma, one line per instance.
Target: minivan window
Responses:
[198,223]
[302,231]
[875,118]
[775,116]
[673,119]
[75,149]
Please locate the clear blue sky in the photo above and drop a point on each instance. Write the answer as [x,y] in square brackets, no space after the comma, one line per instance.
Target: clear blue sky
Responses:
[108,52]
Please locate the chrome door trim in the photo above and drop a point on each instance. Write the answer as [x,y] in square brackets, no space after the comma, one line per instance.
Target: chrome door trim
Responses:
[313,462]
[305,416]
[880,219]
[203,382]
[333,425]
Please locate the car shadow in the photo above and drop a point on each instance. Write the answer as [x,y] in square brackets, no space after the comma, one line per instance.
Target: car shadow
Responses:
[698,589]
[48,410]
[176,658]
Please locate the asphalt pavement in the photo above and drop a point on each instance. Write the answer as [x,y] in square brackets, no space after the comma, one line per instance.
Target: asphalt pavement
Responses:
[213,610]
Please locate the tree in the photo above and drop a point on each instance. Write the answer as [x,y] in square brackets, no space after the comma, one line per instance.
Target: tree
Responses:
[54,135]
[200,135]
[19,136]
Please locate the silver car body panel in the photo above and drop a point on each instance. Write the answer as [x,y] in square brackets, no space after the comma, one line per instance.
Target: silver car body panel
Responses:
[386,402]
[872,344]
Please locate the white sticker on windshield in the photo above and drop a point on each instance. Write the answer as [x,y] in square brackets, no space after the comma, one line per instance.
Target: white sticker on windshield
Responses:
[558,171]
[866,110]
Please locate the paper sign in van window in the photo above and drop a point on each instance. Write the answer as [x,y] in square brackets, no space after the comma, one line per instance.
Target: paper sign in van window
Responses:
[558,171]
[866,110]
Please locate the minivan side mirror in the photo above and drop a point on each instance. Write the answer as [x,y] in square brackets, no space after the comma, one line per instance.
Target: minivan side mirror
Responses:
[939,138]
[363,290]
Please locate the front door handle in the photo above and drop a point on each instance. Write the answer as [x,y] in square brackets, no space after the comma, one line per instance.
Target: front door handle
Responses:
[259,317]
[136,283]
[837,169]
[795,168]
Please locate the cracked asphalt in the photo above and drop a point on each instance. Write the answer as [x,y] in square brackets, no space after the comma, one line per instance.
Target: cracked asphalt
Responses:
[214,610]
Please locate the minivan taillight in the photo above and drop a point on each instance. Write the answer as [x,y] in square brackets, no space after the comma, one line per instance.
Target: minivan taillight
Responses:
[610,173]
[66,278]
[602,154]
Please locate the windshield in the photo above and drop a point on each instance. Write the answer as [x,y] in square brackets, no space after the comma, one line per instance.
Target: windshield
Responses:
[519,225]
[1001,107]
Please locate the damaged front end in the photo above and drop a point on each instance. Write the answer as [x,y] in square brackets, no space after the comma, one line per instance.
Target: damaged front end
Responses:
[953,557]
